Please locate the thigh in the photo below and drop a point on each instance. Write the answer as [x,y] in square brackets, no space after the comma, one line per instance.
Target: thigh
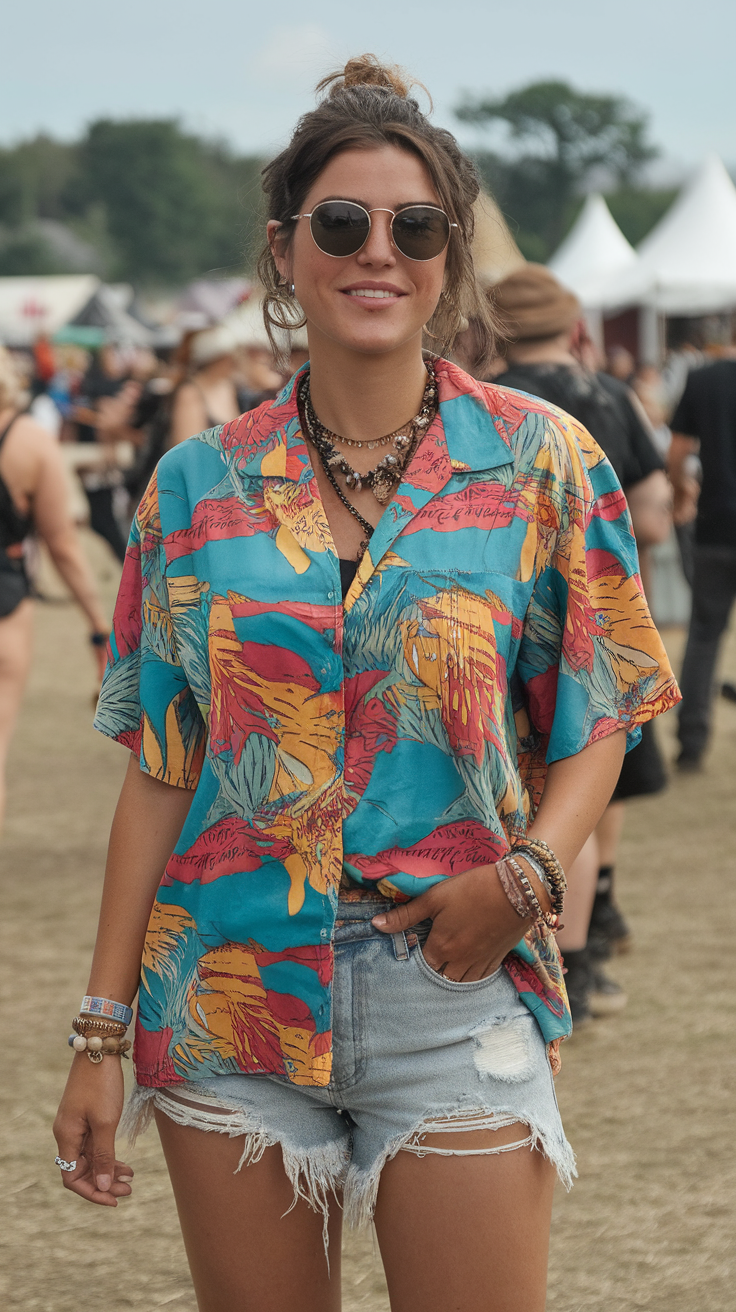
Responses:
[249,1248]
[467,1233]
[16,636]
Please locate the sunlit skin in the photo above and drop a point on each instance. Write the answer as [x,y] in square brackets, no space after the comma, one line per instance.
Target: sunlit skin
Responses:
[467,1234]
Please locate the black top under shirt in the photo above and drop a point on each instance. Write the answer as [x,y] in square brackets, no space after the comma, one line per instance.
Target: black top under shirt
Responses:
[707,411]
[602,404]
[348,570]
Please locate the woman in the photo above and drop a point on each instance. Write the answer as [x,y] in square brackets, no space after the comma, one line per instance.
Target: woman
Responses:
[209,397]
[32,499]
[345,988]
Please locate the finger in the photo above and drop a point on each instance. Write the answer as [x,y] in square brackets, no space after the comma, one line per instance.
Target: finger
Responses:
[403,915]
[100,1153]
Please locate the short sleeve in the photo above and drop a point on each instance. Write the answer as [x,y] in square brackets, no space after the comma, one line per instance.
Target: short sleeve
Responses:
[684,420]
[145,702]
[590,659]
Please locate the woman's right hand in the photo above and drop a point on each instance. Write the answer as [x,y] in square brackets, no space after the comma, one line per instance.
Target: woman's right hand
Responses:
[85,1127]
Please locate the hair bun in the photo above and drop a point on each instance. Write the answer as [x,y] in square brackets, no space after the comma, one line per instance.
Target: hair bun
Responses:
[368,71]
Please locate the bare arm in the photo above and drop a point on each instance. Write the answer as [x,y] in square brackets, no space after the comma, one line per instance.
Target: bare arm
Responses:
[188,414]
[685,486]
[650,504]
[473,923]
[55,525]
[148,820]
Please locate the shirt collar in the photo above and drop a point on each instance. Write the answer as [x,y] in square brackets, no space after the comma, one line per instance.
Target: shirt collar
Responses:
[476,424]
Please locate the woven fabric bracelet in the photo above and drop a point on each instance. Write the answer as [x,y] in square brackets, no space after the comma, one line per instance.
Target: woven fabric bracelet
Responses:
[512,890]
[557,896]
[532,901]
[107,1008]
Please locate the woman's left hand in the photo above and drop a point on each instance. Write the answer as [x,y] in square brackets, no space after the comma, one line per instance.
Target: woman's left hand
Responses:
[473,924]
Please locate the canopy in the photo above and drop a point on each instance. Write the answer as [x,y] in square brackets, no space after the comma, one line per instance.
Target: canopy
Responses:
[594,254]
[495,253]
[31,306]
[687,263]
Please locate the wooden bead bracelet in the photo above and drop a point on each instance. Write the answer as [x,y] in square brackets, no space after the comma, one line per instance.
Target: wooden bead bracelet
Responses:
[96,1047]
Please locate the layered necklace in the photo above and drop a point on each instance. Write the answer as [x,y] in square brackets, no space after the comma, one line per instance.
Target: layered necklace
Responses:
[385,477]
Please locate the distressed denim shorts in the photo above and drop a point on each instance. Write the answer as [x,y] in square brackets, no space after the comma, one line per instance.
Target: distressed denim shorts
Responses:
[413,1053]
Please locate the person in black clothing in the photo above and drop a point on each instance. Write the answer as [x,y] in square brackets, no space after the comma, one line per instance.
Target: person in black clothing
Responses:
[98,421]
[541,320]
[705,422]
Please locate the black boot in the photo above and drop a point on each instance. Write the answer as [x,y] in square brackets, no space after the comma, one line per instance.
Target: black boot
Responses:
[608,931]
[579,984]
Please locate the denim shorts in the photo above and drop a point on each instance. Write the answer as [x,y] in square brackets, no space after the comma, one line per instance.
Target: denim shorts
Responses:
[413,1053]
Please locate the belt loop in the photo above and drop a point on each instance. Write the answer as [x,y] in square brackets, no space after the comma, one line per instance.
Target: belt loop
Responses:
[401,948]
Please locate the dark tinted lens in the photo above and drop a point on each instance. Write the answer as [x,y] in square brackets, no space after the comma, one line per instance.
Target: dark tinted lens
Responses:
[421,232]
[339,227]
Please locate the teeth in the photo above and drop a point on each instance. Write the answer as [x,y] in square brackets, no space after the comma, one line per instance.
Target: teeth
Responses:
[370,291]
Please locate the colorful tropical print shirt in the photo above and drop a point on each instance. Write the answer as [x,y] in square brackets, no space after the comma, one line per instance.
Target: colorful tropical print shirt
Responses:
[496,624]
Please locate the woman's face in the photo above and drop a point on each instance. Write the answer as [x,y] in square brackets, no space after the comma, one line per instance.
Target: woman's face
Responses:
[328,288]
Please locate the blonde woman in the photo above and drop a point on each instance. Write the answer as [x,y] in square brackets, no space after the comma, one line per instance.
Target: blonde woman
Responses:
[33,499]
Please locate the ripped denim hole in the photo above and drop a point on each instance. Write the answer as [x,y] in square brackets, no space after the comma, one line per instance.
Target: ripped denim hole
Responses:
[463,1123]
[504,1050]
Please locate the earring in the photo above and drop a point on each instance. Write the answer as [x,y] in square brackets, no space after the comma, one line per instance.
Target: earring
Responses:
[292,290]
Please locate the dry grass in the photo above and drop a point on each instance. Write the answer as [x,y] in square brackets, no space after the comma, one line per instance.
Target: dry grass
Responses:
[644,1096]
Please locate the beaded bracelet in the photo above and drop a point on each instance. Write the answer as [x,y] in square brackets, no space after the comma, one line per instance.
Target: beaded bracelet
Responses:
[532,901]
[546,865]
[96,1047]
[106,1007]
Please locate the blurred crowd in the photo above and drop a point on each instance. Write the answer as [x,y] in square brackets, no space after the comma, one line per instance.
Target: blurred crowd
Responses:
[669,432]
[117,409]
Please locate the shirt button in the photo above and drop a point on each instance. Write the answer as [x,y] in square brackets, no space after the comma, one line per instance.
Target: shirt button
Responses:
[331,596]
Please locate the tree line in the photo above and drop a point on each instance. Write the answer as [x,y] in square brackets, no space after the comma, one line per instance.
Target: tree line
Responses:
[146,201]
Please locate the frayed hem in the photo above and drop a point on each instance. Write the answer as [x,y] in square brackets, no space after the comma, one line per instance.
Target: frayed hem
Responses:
[361,1187]
[316,1175]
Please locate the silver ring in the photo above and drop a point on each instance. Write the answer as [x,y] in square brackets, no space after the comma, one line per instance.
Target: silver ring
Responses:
[65,1166]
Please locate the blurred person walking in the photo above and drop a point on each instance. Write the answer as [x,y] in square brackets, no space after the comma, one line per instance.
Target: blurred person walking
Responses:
[208,396]
[33,498]
[375,703]
[103,412]
[541,319]
[704,423]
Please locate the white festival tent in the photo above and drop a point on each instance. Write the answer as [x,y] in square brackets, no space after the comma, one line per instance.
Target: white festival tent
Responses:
[687,264]
[594,255]
[29,306]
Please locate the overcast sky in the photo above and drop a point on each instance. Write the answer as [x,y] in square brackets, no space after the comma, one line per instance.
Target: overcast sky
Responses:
[246,70]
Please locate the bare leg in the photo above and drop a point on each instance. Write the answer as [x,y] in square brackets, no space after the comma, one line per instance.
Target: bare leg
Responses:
[16,640]
[608,832]
[466,1234]
[247,1252]
[582,878]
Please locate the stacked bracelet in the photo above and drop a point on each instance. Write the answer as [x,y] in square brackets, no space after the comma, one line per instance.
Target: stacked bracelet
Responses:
[96,1047]
[520,893]
[107,1008]
[545,864]
[91,1025]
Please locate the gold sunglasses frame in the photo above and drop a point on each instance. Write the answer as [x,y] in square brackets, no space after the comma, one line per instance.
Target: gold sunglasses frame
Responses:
[379,209]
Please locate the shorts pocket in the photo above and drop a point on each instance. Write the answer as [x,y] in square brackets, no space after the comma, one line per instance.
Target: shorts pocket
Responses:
[454,985]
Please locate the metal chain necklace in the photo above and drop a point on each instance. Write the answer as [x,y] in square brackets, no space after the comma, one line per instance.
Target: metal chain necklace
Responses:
[385,477]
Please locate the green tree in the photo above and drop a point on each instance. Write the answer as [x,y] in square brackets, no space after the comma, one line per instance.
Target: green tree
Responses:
[170,199]
[566,137]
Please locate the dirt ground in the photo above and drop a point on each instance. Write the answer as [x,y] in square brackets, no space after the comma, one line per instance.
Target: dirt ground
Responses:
[644,1096]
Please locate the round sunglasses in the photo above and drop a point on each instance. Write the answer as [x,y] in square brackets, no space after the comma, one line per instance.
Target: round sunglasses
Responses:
[342,227]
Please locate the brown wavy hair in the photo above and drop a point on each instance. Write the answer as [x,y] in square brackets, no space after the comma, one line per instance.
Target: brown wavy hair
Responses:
[368,105]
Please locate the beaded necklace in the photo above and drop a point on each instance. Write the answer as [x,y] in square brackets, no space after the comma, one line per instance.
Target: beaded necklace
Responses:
[385,477]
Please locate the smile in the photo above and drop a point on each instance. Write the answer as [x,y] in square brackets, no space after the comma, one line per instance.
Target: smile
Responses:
[370,291]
